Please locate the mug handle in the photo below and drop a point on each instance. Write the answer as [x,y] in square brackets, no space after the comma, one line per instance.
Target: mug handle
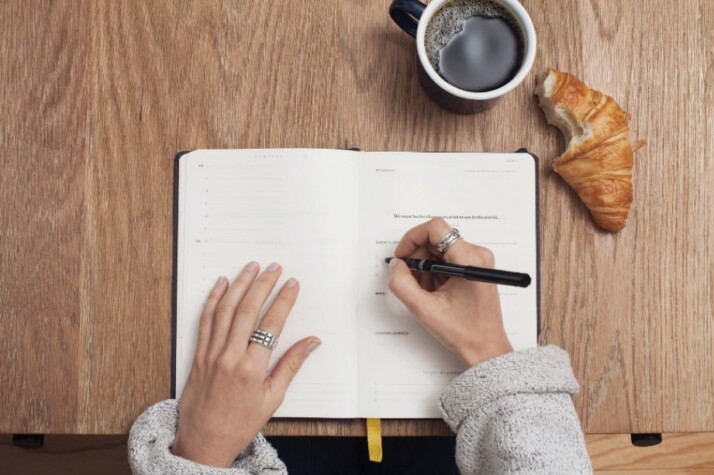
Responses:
[406,14]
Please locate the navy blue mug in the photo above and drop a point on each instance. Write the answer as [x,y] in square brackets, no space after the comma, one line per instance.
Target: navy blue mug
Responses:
[413,16]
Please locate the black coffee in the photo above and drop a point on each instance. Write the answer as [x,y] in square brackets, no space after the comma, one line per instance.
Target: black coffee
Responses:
[476,45]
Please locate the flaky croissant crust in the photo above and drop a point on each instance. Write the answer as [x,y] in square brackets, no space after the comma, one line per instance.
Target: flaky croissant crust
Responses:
[598,160]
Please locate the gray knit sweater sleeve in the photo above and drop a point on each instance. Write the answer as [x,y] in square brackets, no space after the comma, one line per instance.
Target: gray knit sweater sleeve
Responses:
[514,414]
[154,431]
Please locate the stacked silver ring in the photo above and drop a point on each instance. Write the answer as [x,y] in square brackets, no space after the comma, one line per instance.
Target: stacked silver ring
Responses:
[448,240]
[264,338]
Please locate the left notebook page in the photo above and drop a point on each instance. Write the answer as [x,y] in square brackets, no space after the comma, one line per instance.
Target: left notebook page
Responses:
[298,207]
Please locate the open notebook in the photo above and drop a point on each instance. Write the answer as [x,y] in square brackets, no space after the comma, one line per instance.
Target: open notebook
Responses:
[330,217]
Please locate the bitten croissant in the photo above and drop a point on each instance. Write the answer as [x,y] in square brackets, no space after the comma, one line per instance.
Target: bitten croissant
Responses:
[598,160]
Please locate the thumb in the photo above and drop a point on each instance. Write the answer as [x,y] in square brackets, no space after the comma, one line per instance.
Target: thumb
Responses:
[289,365]
[406,288]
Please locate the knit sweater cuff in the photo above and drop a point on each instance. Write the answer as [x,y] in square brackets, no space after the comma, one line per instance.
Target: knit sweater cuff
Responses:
[154,432]
[537,370]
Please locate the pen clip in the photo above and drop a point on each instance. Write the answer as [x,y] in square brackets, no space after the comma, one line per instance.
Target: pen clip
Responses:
[446,270]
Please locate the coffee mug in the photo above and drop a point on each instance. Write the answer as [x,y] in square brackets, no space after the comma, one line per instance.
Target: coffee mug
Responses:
[413,17]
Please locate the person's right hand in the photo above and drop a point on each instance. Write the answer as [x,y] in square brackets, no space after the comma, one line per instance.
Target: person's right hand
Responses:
[463,315]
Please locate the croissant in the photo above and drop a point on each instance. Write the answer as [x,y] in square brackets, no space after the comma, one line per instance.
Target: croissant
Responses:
[598,160]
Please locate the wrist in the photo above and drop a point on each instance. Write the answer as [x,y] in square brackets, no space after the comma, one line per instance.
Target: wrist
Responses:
[485,352]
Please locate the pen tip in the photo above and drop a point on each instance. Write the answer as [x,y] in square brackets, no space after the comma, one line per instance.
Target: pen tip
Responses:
[387,259]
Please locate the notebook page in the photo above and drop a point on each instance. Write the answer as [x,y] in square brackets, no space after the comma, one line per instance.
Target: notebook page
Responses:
[490,198]
[296,207]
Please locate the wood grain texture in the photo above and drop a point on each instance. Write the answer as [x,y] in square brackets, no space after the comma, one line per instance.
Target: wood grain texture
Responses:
[67,455]
[97,99]
[44,146]
[671,471]
[677,451]
[610,453]
[356,427]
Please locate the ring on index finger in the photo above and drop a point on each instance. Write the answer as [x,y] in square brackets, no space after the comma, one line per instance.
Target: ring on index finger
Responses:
[448,240]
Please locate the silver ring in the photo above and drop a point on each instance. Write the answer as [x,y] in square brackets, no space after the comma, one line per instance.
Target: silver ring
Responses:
[448,240]
[264,338]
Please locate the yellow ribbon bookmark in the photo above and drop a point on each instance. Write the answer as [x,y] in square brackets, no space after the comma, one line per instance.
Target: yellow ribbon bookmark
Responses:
[374,439]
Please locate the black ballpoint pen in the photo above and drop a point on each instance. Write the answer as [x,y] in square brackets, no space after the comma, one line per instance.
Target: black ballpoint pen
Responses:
[481,274]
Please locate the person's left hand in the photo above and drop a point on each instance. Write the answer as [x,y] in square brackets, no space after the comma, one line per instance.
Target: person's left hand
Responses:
[229,395]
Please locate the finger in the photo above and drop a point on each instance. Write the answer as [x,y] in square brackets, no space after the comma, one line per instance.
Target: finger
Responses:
[274,319]
[426,281]
[206,322]
[430,234]
[422,252]
[288,366]
[227,307]
[441,280]
[249,309]
[403,284]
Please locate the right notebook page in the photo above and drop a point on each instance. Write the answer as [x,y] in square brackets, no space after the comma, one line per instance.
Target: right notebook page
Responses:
[491,199]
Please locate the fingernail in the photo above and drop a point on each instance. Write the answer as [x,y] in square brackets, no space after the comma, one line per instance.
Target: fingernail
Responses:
[219,282]
[313,344]
[291,282]
[251,266]
[392,264]
[273,267]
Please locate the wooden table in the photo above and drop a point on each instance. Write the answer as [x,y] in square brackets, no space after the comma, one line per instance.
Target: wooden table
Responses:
[98,96]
